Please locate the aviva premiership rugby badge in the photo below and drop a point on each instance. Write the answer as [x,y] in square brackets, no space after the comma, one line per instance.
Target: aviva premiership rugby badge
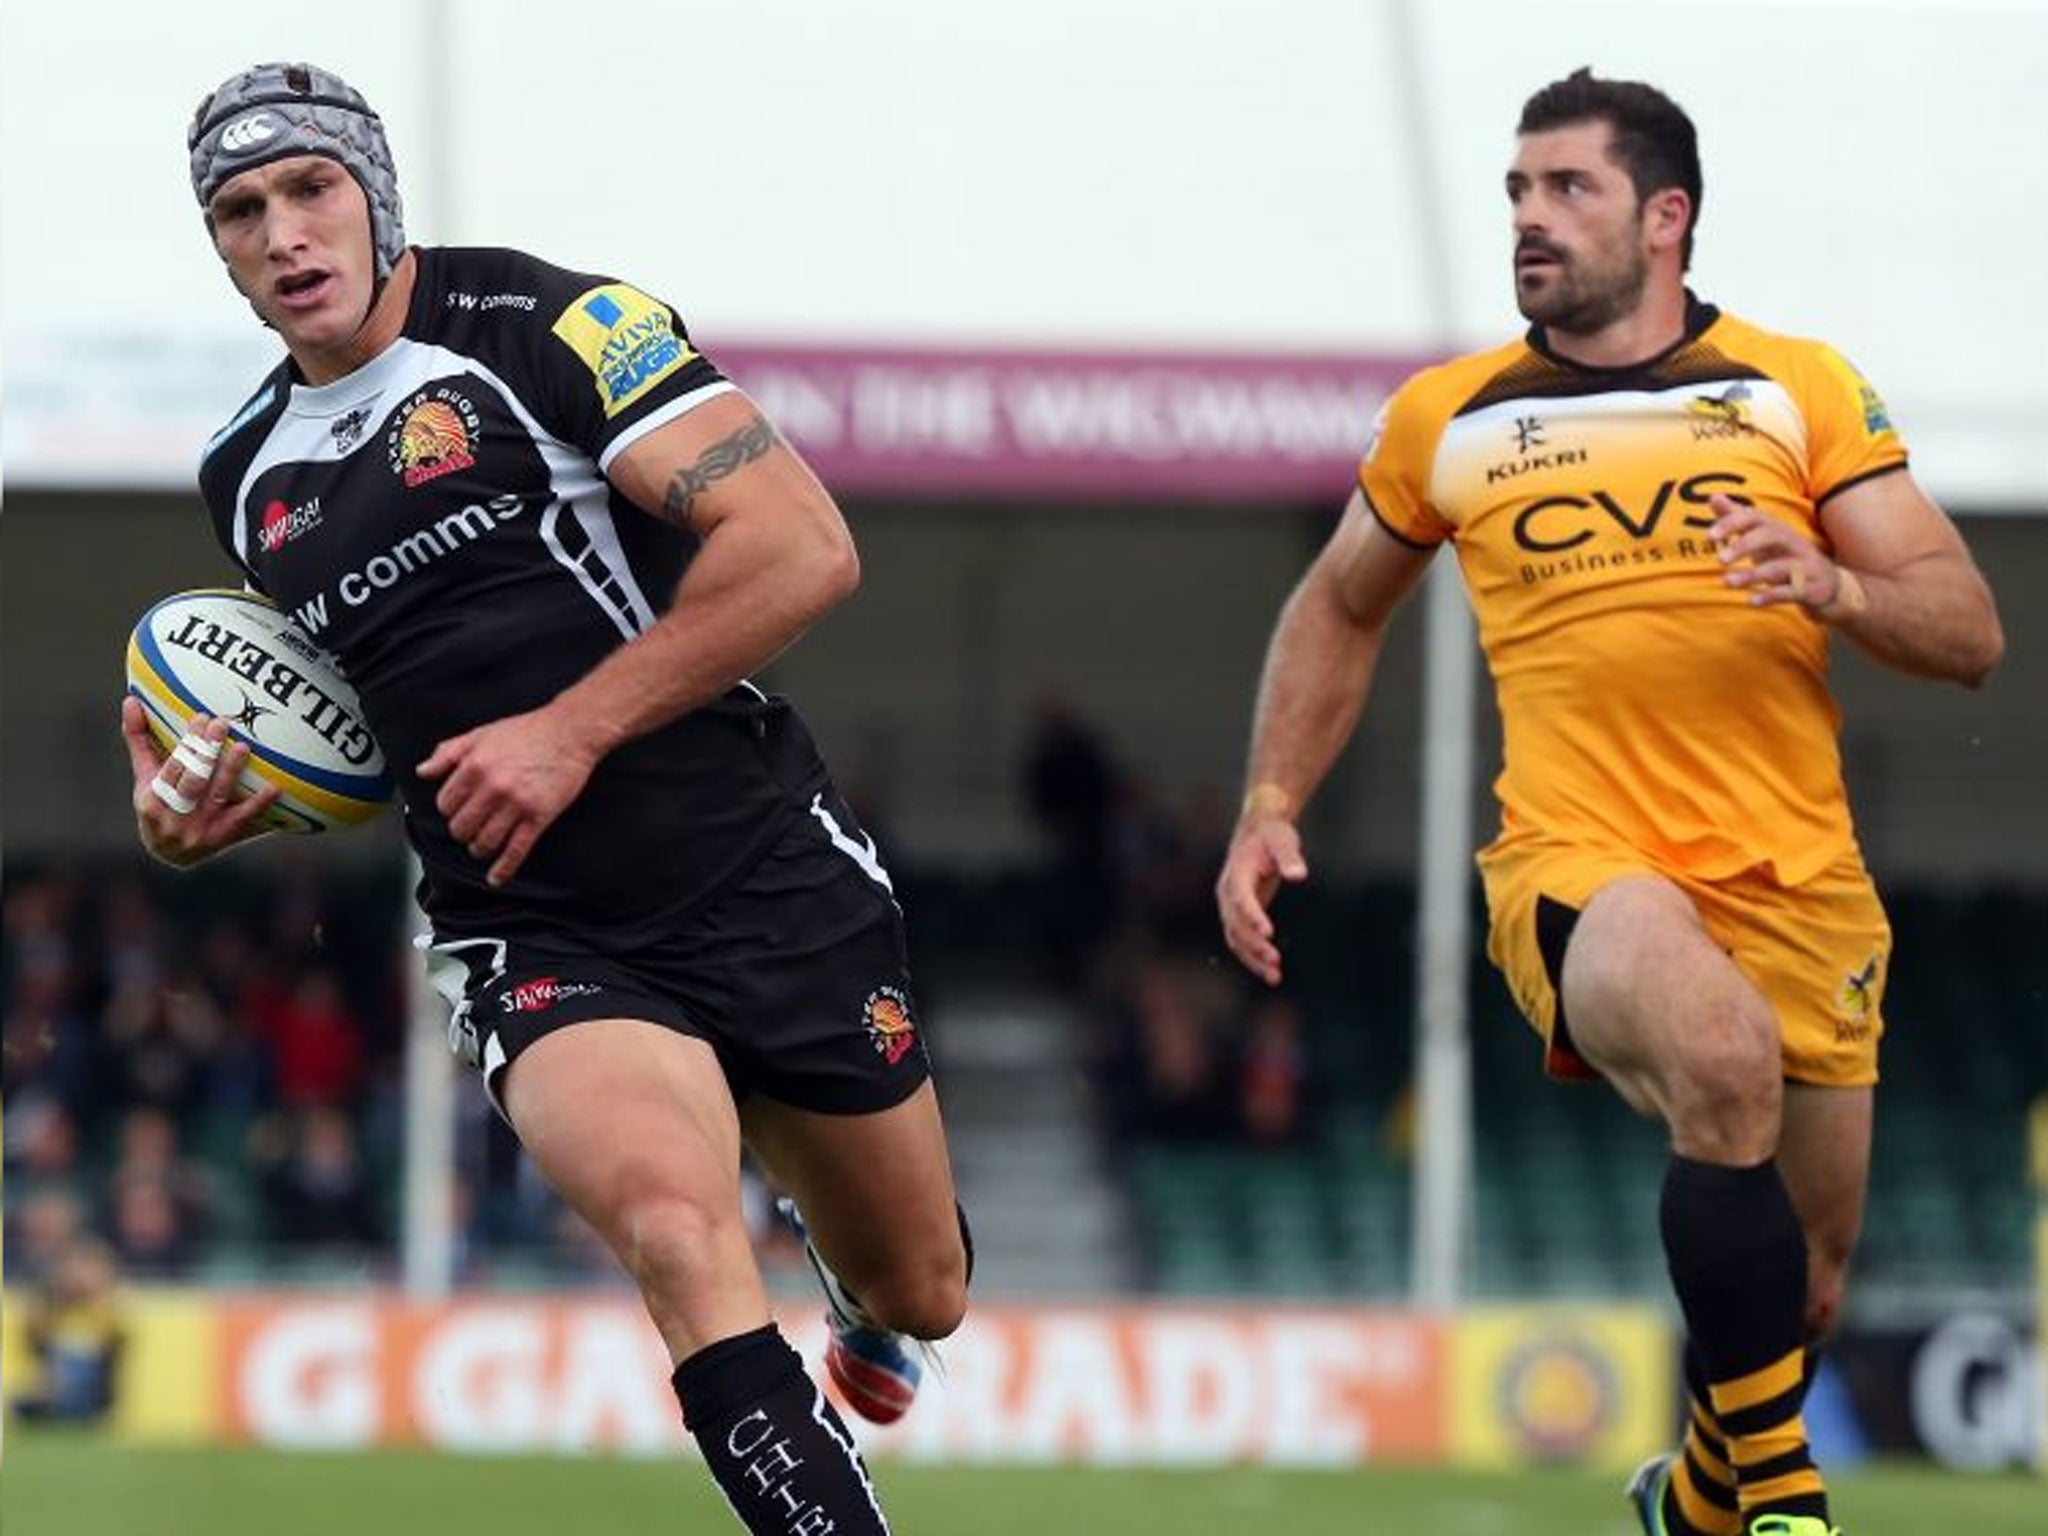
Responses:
[626,339]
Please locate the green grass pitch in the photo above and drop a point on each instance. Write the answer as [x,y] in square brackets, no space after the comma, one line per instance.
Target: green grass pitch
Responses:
[79,1486]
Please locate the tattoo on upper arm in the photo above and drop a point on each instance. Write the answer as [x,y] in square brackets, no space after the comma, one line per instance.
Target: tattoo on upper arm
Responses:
[722,458]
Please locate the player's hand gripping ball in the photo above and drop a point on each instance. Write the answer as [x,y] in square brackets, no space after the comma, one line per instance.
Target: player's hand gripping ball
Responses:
[237,656]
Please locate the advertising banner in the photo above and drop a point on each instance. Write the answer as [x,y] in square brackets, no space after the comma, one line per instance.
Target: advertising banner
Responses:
[1964,1389]
[1561,1384]
[987,422]
[1130,427]
[1107,1385]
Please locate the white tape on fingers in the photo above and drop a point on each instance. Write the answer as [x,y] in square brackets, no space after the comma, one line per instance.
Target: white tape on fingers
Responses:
[193,761]
[172,796]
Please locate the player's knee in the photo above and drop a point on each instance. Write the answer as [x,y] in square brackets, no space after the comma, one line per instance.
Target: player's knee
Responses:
[926,1300]
[675,1245]
[1727,1090]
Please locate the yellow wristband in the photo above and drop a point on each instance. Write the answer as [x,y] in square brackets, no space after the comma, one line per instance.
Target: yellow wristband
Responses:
[1266,799]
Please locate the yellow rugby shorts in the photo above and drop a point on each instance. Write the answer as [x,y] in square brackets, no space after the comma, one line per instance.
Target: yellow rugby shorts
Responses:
[1817,951]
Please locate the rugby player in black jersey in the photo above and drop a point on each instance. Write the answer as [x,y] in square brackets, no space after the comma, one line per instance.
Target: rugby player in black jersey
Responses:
[548,542]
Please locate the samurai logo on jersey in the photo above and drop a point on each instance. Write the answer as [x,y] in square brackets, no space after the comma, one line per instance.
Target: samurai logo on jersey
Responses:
[281,524]
[435,435]
[627,339]
[889,1024]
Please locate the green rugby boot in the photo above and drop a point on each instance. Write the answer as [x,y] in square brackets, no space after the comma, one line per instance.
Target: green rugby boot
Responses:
[1646,1492]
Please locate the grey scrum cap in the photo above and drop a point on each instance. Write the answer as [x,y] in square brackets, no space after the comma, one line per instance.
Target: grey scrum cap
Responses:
[273,111]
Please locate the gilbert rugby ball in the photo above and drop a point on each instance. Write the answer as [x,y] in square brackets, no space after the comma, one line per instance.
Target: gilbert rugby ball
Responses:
[236,655]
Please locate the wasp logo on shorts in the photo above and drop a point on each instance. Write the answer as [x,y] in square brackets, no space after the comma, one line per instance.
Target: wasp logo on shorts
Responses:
[1856,1000]
[889,1024]
[436,434]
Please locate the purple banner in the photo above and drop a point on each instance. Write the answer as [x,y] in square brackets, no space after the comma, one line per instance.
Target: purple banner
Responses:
[1156,426]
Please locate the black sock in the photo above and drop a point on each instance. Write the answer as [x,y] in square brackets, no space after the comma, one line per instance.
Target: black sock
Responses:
[1738,1262]
[786,1462]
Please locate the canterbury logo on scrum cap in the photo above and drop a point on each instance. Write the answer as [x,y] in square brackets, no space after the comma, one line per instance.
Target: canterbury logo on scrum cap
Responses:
[248,133]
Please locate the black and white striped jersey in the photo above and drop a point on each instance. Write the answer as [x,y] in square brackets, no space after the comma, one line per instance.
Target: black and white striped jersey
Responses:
[440,520]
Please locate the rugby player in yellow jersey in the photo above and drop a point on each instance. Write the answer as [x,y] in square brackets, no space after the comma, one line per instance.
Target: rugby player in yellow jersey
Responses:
[1663,515]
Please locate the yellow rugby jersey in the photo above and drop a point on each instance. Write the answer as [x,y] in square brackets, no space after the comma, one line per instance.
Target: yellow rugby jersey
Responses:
[1642,699]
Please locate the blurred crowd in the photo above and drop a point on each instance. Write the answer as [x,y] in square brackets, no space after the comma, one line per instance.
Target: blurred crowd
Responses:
[1185,1046]
[188,1061]
[202,1081]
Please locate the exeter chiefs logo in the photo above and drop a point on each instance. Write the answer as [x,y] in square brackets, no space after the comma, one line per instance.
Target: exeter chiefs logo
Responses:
[436,435]
[889,1024]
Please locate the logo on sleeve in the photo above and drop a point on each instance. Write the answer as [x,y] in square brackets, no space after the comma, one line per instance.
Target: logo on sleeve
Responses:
[1876,419]
[626,339]
[436,434]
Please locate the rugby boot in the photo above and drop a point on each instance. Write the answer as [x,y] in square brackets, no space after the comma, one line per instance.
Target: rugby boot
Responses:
[1646,1493]
[876,1369]
[1790,1525]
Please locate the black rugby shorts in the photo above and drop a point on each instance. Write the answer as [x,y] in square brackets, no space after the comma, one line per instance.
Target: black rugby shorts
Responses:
[796,976]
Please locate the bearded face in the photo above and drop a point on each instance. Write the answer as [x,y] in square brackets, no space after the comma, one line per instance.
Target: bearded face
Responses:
[1581,261]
